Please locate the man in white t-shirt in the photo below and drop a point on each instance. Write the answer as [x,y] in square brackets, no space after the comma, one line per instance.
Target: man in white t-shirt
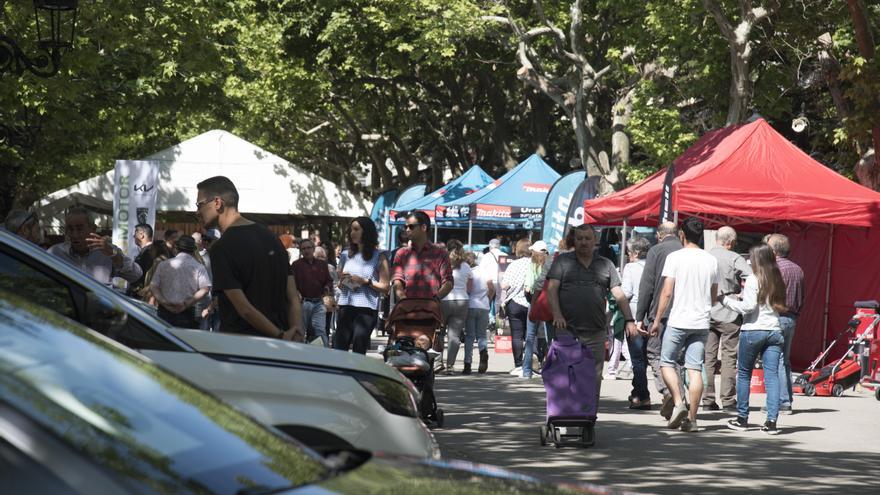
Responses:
[691,276]
[490,264]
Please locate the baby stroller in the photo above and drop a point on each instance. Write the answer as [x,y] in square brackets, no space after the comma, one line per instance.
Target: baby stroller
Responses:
[569,375]
[412,330]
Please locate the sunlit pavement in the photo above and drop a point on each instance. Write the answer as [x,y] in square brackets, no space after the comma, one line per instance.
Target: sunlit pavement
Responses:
[828,444]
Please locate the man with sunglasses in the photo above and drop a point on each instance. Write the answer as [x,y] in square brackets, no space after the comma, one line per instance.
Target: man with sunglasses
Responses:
[421,270]
[249,268]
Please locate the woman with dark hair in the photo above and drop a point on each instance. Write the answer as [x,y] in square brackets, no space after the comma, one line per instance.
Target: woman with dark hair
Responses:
[515,304]
[763,299]
[363,274]
[159,252]
[455,304]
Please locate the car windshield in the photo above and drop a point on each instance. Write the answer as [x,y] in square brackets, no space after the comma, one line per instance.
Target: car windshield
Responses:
[156,432]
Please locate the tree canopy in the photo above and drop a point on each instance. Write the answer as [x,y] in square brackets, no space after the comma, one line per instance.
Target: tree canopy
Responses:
[405,90]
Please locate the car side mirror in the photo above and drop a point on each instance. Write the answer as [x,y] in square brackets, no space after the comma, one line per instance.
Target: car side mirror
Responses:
[103,315]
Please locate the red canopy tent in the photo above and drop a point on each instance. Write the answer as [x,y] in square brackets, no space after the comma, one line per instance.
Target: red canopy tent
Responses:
[752,178]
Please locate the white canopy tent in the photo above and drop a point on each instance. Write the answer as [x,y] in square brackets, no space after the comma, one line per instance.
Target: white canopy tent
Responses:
[267,184]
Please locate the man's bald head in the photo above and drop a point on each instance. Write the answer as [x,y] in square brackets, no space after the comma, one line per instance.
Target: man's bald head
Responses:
[666,229]
[725,237]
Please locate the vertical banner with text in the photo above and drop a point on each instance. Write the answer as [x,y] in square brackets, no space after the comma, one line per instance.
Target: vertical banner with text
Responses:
[556,207]
[379,215]
[136,184]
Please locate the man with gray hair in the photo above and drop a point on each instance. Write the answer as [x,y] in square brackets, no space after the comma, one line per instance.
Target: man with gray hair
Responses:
[793,276]
[93,254]
[724,324]
[24,224]
[650,286]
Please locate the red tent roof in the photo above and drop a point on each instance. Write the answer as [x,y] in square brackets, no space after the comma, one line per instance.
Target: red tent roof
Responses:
[746,174]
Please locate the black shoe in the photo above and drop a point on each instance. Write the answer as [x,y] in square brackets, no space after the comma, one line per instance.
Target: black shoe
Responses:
[770,428]
[484,362]
[467,369]
[739,424]
[711,407]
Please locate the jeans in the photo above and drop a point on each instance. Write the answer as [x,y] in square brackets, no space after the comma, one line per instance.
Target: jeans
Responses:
[532,329]
[517,315]
[184,319]
[354,326]
[638,353]
[787,324]
[690,340]
[455,315]
[314,316]
[725,336]
[475,328]
[767,344]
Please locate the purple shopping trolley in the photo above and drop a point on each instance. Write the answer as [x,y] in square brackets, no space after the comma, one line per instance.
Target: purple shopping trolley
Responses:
[569,375]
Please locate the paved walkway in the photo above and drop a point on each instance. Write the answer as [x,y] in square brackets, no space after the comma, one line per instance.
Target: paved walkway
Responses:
[830,445]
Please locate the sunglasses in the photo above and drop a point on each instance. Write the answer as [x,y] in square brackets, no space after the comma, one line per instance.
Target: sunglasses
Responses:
[412,226]
[200,204]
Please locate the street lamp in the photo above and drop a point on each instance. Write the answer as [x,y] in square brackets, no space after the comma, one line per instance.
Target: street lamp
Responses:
[56,21]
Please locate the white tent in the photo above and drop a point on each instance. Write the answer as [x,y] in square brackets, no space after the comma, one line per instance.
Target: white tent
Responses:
[267,184]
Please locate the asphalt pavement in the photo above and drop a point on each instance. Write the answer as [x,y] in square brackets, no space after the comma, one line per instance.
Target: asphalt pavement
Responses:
[829,445]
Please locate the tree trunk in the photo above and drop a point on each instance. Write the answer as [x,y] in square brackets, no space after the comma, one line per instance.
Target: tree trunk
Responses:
[740,86]
[865,40]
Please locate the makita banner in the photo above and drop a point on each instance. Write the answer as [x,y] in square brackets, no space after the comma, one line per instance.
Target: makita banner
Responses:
[588,189]
[556,207]
[136,184]
[381,214]
[479,211]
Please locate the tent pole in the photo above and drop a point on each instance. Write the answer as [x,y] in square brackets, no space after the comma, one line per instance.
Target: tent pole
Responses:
[675,217]
[623,247]
[470,233]
[827,290]
[436,228]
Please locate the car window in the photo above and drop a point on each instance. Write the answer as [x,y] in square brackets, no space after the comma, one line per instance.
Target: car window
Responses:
[19,278]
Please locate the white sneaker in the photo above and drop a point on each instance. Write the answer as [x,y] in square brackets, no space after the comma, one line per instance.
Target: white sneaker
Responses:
[690,426]
[516,371]
[679,414]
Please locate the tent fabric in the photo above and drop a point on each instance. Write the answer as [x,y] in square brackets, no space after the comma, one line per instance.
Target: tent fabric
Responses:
[474,179]
[753,179]
[744,174]
[267,183]
[516,197]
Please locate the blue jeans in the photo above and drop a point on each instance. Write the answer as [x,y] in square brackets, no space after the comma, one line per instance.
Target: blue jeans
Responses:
[691,341]
[787,325]
[315,321]
[531,334]
[475,329]
[638,352]
[767,344]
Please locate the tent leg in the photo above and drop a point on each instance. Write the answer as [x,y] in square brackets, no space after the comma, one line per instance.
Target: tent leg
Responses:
[623,247]
[825,314]
[675,217]
[470,233]
[436,228]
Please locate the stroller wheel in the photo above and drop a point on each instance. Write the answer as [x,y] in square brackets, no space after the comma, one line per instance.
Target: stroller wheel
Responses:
[588,435]
[439,417]
[545,432]
[877,393]
[809,390]
[837,390]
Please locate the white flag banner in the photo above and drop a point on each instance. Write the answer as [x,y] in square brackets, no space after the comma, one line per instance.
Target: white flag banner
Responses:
[136,184]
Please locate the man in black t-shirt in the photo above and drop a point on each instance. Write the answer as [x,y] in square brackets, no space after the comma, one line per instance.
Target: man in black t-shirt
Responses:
[249,267]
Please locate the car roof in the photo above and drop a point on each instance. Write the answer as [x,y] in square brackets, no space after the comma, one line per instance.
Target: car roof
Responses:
[108,402]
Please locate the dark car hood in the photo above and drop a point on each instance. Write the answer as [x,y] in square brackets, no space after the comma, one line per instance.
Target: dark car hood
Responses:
[397,475]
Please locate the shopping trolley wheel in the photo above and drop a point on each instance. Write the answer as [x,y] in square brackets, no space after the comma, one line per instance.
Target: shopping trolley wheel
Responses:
[439,416]
[837,390]
[588,435]
[809,390]
[545,432]
[557,437]
[877,393]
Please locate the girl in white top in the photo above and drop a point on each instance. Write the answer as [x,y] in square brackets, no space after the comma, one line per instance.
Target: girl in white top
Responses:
[763,298]
[455,304]
[482,291]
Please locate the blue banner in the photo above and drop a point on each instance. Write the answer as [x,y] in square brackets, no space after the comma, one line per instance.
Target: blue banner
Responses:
[588,189]
[379,214]
[556,207]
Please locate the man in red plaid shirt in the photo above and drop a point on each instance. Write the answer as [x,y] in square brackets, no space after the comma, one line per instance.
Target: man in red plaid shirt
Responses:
[422,269]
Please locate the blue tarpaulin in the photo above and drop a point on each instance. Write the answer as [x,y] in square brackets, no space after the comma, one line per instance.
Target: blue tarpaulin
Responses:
[515,198]
[469,182]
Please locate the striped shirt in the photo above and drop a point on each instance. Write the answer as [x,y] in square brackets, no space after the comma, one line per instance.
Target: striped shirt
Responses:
[793,277]
[364,296]
[515,280]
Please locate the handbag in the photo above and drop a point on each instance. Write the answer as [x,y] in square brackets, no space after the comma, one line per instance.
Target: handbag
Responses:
[540,307]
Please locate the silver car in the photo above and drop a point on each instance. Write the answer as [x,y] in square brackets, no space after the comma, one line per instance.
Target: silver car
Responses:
[329,400]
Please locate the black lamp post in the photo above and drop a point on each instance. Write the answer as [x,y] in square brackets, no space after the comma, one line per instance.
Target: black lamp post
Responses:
[56,21]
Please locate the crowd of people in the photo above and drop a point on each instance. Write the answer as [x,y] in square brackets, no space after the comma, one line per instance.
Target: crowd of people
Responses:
[687,312]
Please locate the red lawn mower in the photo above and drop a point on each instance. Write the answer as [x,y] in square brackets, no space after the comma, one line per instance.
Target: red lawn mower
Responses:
[861,362]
